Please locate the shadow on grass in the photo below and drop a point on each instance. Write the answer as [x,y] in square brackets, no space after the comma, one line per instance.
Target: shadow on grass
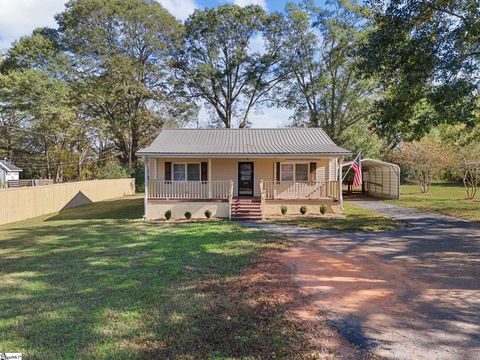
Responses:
[119,289]
[124,208]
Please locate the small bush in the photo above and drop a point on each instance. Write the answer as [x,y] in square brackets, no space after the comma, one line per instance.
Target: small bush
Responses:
[303,210]
[323,209]
[188,215]
[284,209]
[208,214]
[168,214]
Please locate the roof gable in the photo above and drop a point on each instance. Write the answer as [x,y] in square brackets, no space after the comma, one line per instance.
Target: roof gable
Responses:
[238,142]
[9,167]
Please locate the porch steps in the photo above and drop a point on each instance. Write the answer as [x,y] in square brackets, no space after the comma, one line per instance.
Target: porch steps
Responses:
[246,209]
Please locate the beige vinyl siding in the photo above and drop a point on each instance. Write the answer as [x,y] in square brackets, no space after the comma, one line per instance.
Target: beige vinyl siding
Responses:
[264,170]
[227,169]
[332,169]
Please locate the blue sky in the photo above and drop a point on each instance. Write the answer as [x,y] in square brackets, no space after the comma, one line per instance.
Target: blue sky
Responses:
[20,17]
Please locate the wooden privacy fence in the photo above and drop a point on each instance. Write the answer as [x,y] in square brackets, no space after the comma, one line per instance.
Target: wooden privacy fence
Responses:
[28,202]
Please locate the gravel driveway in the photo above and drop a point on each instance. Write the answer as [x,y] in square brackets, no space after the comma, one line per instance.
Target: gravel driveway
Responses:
[412,293]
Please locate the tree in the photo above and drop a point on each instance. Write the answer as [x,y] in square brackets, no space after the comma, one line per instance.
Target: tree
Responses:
[37,112]
[427,56]
[423,161]
[319,49]
[471,177]
[220,64]
[122,51]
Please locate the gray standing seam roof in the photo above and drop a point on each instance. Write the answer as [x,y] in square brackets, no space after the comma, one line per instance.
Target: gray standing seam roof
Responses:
[240,142]
[9,167]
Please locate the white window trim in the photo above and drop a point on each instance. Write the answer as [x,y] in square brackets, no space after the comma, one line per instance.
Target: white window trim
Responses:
[186,171]
[295,170]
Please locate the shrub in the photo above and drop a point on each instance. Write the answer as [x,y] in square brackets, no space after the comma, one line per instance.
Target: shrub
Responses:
[424,160]
[323,209]
[208,214]
[303,210]
[168,214]
[188,215]
[284,209]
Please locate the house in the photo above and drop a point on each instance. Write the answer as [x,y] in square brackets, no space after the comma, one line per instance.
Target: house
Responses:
[8,172]
[240,173]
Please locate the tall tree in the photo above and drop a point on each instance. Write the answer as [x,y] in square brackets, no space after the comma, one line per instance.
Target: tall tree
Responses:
[427,56]
[319,49]
[122,50]
[38,114]
[221,65]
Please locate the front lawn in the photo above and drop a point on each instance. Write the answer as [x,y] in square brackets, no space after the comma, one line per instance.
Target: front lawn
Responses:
[97,283]
[356,219]
[443,198]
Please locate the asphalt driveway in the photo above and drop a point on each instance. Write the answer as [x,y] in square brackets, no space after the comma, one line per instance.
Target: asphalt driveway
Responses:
[412,293]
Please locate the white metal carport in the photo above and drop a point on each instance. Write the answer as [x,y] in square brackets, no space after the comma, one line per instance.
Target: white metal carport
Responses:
[380,179]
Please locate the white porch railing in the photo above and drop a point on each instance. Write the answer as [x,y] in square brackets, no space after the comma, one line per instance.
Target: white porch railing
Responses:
[189,189]
[300,190]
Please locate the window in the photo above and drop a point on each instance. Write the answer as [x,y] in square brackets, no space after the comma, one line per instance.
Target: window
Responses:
[186,172]
[294,172]
[286,172]
[301,172]
[193,172]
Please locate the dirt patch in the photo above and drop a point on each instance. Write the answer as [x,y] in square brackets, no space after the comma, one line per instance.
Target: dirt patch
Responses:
[267,296]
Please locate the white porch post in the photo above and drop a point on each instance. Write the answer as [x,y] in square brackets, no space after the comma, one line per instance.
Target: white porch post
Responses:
[145,200]
[209,178]
[340,183]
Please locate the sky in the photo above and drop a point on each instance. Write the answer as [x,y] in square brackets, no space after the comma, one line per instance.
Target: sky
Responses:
[20,17]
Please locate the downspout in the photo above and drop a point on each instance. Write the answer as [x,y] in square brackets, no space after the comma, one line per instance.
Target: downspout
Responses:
[145,200]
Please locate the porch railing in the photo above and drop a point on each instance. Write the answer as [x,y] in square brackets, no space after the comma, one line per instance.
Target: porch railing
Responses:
[189,189]
[300,190]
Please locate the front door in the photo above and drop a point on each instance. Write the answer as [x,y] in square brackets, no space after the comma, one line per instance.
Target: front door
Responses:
[245,179]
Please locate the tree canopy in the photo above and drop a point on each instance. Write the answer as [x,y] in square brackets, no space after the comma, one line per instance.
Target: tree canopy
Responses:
[426,54]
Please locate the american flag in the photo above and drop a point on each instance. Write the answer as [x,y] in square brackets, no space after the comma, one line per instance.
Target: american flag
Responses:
[357,168]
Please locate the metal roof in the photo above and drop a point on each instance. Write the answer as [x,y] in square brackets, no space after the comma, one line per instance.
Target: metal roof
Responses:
[243,142]
[9,167]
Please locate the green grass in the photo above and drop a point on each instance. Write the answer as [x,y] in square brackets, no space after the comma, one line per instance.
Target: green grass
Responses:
[97,283]
[356,219]
[443,198]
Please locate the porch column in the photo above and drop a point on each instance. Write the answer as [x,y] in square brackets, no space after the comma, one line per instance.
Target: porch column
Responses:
[275,179]
[340,182]
[209,178]
[145,200]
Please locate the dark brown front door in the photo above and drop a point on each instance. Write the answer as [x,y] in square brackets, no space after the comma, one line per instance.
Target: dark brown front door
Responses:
[245,179]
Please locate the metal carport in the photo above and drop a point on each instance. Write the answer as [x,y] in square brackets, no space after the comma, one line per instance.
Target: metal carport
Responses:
[380,179]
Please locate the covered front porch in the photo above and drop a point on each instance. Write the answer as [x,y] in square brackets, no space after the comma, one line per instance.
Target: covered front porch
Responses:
[218,184]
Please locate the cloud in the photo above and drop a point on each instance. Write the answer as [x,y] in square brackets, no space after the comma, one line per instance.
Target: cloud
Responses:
[262,3]
[181,9]
[21,17]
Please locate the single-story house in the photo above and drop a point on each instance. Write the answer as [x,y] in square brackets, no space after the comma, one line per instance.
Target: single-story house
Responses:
[240,173]
[8,172]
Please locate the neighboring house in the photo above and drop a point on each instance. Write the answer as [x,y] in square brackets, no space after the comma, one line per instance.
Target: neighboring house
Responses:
[240,173]
[8,172]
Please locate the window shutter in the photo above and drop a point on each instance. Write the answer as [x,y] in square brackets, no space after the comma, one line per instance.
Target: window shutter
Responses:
[168,171]
[204,172]
[277,170]
[313,172]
